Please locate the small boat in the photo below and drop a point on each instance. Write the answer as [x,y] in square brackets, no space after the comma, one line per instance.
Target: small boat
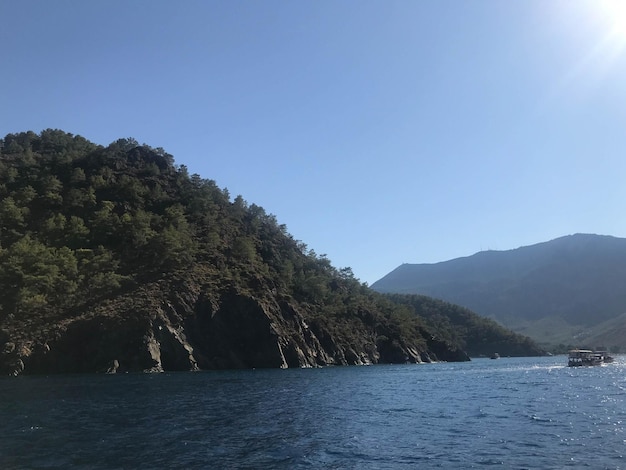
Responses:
[587,357]
[495,356]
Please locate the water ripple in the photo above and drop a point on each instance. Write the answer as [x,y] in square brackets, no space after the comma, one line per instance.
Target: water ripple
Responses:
[511,413]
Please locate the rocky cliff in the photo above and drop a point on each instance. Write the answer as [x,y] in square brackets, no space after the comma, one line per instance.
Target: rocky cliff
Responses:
[183,326]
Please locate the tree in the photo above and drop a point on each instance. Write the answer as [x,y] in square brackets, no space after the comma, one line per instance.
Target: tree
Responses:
[98,272]
[12,221]
[32,275]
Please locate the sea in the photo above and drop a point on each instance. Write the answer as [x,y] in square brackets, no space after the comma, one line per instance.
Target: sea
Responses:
[513,413]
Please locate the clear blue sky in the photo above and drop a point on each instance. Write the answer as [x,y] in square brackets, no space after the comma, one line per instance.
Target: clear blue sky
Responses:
[379,132]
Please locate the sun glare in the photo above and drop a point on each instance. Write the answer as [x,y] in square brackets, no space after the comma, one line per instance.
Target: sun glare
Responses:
[615,11]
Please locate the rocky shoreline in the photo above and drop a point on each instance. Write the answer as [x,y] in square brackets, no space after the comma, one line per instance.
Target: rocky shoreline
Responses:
[158,329]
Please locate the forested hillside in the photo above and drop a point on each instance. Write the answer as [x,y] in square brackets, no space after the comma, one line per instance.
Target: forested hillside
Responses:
[114,258]
[477,335]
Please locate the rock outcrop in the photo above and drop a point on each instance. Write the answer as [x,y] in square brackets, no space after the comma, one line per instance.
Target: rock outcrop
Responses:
[186,328]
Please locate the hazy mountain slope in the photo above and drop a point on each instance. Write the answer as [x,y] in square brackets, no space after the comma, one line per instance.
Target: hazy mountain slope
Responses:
[574,282]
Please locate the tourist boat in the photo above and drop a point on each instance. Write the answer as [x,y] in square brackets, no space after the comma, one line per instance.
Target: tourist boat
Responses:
[587,357]
[495,356]
[582,357]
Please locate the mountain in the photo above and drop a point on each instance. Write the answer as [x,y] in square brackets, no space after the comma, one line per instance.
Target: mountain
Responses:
[561,291]
[116,259]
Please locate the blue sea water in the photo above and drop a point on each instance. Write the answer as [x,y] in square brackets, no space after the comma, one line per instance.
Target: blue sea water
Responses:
[509,413]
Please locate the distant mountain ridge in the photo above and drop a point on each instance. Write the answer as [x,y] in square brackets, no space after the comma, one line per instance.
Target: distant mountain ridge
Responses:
[553,291]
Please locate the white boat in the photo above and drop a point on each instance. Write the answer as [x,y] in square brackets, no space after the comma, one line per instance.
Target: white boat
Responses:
[587,357]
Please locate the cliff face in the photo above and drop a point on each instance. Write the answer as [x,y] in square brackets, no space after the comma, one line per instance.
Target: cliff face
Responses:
[163,328]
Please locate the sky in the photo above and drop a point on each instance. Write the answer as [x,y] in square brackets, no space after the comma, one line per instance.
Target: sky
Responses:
[379,132]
